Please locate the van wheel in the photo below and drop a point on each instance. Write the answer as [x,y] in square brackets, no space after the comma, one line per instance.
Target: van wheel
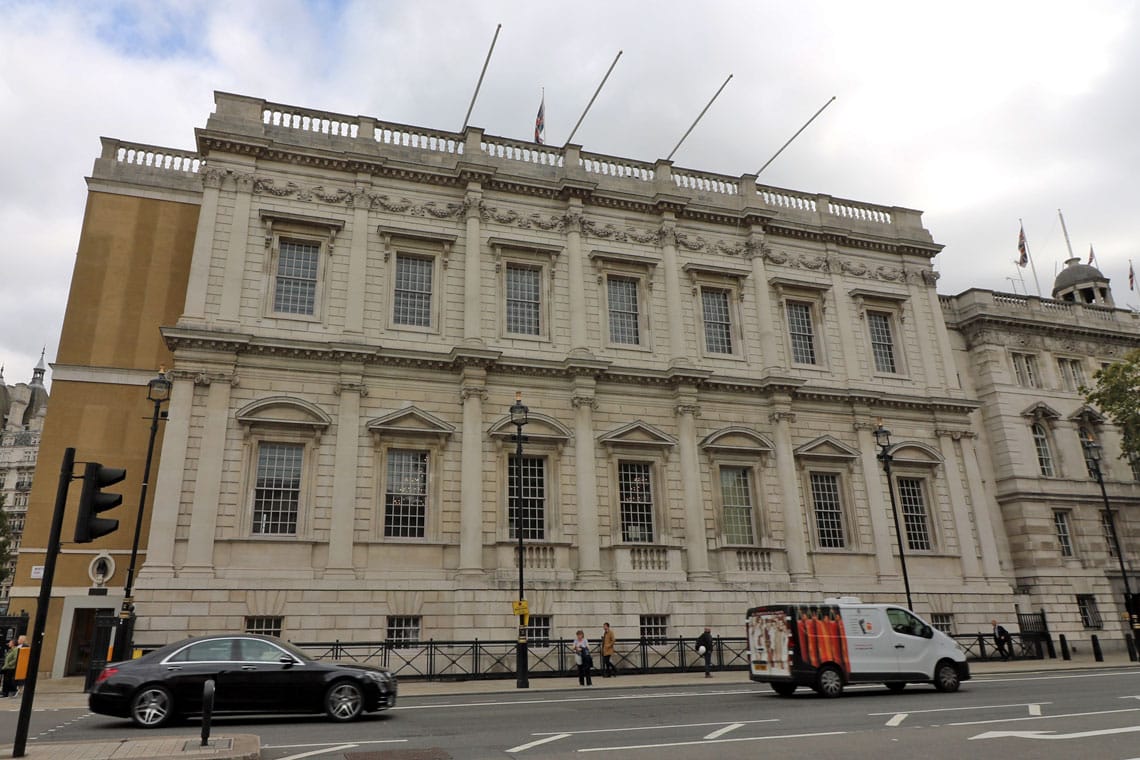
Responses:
[783,688]
[895,686]
[946,676]
[829,682]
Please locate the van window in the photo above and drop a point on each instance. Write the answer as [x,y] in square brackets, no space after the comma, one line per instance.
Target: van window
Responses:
[906,623]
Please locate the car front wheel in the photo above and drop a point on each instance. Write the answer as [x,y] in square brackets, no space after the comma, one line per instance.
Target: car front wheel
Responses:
[946,677]
[152,706]
[344,701]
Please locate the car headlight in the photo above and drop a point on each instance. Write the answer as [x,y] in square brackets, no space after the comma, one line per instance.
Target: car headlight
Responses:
[381,677]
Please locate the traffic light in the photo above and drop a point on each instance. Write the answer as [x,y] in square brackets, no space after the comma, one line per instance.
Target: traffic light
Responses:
[89,526]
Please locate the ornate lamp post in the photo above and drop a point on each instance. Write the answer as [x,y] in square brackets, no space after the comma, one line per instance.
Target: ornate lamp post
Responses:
[519,418]
[1093,455]
[883,441]
[157,392]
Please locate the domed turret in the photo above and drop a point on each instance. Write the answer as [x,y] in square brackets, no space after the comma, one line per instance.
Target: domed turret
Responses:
[1082,283]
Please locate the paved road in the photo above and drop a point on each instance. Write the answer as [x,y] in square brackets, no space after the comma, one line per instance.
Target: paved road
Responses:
[1025,715]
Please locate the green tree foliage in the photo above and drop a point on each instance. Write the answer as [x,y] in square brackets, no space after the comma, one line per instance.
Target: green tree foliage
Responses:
[1117,395]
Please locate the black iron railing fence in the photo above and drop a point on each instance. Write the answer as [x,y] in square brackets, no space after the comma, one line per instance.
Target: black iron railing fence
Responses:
[981,646]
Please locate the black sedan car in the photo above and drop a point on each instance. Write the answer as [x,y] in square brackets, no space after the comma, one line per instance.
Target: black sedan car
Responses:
[251,674]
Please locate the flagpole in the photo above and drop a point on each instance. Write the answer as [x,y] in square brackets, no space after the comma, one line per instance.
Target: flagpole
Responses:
[699,117]
[793,137]
[1065,230]
[481,73]
[1029,255]
[602,84]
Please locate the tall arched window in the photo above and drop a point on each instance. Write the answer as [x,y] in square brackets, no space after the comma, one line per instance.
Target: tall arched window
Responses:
[1041,444]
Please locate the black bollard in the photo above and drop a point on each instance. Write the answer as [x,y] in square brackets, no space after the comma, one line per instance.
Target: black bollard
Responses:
[1131,644]
[207,710]
[1097,654]
[1064,648]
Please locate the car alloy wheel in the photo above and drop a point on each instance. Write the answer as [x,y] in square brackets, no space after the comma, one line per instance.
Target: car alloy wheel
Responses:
[830,683]
[151,706]
[344,701]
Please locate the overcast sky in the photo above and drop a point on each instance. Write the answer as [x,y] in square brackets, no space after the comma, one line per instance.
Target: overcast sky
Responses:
[977,113]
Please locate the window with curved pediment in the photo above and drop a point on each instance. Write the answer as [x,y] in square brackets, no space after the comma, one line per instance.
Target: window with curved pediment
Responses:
[736,458]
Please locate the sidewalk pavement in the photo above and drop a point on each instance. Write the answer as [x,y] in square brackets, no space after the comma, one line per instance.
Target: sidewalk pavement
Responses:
[67,693]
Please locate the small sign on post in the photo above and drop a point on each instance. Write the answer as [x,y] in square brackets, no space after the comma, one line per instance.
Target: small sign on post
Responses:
[521,609]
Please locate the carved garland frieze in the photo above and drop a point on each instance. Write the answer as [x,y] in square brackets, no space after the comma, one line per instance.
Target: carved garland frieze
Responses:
[556,222]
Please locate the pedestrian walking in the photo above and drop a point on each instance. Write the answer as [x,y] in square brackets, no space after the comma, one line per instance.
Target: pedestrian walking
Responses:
[1002,640]
[8,688]
[582,658]
[705,648]
[608,668]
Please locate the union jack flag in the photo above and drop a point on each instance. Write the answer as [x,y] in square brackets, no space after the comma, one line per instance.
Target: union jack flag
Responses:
[1022,248]
[540,122]
[1131,276]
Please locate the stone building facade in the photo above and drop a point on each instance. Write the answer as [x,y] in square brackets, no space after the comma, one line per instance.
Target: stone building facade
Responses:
[348,308]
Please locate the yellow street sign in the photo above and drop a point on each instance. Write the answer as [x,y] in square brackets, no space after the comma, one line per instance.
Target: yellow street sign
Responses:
[521,607]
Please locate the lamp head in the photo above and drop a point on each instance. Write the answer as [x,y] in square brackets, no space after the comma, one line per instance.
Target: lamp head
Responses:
[519,411]
[882,436]
[1092,448]
[158,389]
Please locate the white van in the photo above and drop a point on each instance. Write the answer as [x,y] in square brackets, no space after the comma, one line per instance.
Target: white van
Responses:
[843,641]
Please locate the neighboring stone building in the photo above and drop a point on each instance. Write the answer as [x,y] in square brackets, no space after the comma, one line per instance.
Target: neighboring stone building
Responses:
[348,308]
[22,410]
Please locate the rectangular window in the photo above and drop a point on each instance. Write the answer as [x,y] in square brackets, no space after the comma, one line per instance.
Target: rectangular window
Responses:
[736,496]
[718,321]
[277,496]
[943,621]
[295,290]
[828,510]
[524,294]
[403,629]
[654,629]
[882,341]
[405,495]
[1106,525]
[533,497]
[1064,536]
[266,625]
[1044,455]
[625,319]
[1090,615]
[801,332]
[916,523]
[1072,373]
[1134,463]
[537,630]
[1025,370]
[413,291]
[635,496]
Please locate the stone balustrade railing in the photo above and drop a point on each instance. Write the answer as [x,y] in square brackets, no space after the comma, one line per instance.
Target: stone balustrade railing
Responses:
[975,303]
[151,156]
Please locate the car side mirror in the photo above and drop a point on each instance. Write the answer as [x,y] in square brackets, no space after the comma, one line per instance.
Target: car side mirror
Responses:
[287,661]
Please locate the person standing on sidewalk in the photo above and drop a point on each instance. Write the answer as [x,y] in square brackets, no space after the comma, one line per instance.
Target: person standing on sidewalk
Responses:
[1002,640]
[608,668]
[582,658]
[9,686]
[705,648]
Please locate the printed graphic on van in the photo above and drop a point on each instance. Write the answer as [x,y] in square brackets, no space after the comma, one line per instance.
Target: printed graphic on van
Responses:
[822,637]
[771,643]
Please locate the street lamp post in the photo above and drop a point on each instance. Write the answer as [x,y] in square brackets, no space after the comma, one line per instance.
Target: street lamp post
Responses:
[158,392]
[883,441]
[519,417]
[1093,455]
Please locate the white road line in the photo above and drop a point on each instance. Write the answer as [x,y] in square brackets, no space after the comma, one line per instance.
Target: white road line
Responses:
[714,741]
[326,744]
[1051,735]
[563,700]
[722,731]
[319,752]
[654,728]
[952,709]
[1043,717]
[537,742]
[1056,678]
[1035,709]
[1134,696]
[899,718]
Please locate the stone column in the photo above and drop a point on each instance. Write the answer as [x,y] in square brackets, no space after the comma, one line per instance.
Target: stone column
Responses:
[168,481]
[673,304]
[233,280]
[473,269]
[982,508]
[770,357]
[878,503]
[345,473]
[794,525]
[198,282]
[696,540]
[473,392]
[576,277]
[208,479]
[962,525]
[586,484]
[357,262]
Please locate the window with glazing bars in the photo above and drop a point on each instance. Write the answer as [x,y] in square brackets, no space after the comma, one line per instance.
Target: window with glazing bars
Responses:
[1044,455]
[1072,373]
[635,494]
[882,341]
[523,299]
[403,629]
[654,629]
[413,291]
[1025,370]
[916,522]
[828,510]
[266,625]
[1090,614]
[1134,463]
[1106,525]
[405,496]
[736,495]
[277,495]
[295,291]
[1064,537]
[538,630]
[801,331]
[942,621]
[533,497]
[624,318]
[718,322]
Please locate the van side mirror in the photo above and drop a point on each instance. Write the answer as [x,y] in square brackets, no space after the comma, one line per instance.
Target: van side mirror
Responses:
[927,632]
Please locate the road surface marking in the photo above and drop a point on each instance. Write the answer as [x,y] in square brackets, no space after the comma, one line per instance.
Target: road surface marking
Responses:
[1051,735]
[1035,709]
[899,718]
[1042,717]
[537,742]
[1135,696]
[714,741]
[654,728]
[952,709]
[722,731]
[1056,678]
[320,751]
[329,744]
[563,700]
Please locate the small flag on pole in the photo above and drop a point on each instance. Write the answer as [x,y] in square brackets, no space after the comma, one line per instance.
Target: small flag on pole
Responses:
[1092,256]
[1022,248]
[1131,276]
[540,122]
